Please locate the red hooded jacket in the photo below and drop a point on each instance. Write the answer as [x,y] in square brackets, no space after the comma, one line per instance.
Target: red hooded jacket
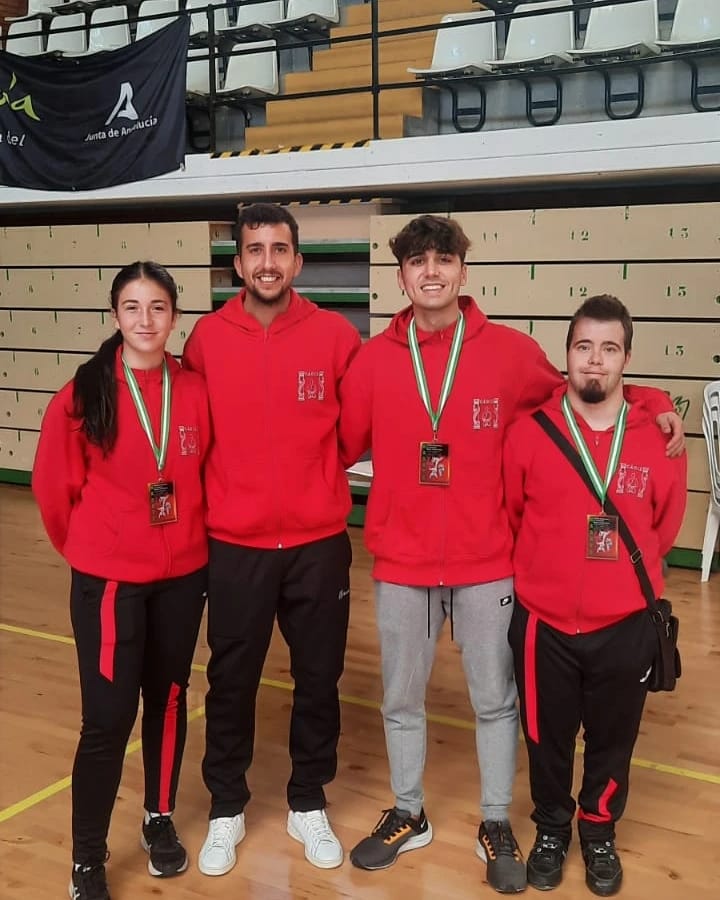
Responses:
[426,535]
[95,508]
[274,477]
[548,505]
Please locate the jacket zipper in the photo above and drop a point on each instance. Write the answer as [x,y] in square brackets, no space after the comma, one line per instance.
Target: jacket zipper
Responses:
[270,442]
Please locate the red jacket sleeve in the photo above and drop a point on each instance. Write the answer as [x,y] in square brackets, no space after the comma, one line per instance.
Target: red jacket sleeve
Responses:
[348,349]
[513,478]
[538,380]
[355,425]
[654,400]
[192,357]
[59,469]
[669,503]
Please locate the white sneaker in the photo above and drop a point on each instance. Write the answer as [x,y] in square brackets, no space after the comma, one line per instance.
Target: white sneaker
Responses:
[322,848]
[217,854]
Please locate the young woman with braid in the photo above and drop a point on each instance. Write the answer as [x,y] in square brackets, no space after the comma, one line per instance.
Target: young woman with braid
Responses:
[117,477]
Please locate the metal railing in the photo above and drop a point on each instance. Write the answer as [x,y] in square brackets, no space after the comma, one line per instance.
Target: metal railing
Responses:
[219,47]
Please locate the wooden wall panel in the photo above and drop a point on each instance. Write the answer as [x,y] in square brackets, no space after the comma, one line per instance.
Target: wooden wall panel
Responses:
[89,288]
[17,449]
[686,349]
[113,245]
[649,290]
[660,232]
[23,409]
[38,371]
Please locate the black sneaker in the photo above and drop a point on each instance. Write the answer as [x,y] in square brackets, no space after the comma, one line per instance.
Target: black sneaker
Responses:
[496,844]
[545,861]
[396,832]
[88,883]
[167,854]
[603,872]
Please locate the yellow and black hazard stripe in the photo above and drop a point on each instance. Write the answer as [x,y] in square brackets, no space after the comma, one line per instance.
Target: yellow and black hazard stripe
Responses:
[299,148]
[327,201]
[333,201]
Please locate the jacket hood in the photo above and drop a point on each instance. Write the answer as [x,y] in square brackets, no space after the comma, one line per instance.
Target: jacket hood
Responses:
[475,321]
[298,310]
[152,374]
[638,414]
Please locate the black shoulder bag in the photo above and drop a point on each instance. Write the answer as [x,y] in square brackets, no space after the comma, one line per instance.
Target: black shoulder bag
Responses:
[666,666]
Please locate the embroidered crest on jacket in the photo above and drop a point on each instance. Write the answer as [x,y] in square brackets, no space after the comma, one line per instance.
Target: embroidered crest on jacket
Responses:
[311,385]
[486,412]
[189,440]
[632,479]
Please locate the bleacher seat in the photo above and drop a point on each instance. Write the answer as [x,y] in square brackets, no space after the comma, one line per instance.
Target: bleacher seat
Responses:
[462,50]
[312,11]
[259,13]
[252,72]
[696,27]
[67,42]
[696,24]
[253,21]
[543,40]
[197,98]
[197,78]
[25,37]
[199,25]
[274,21]
[70,7]
[109,30]
[145,26]
[711,430]
[620,31]
[536,45]
[41,8]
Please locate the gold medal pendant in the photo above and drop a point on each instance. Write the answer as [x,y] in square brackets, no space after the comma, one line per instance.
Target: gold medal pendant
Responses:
[163,507]
[602,537]
[434,463]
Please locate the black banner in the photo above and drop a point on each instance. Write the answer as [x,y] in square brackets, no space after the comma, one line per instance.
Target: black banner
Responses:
[93,121]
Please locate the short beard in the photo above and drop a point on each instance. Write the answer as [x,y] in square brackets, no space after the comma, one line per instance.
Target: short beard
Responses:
[592,392]
[266,301]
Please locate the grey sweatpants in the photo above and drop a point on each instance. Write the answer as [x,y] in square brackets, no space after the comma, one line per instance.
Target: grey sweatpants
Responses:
[481,615]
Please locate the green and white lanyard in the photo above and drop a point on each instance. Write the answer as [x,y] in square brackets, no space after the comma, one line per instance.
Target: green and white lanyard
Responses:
[601,487]
[448,378]
[160,452]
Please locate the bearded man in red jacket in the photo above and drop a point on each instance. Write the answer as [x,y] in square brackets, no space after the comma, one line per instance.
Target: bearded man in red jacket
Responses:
[581,635]
[278,500]
[432,395]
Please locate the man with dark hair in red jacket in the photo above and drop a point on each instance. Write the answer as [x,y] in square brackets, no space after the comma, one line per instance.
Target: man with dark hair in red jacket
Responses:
[582,638]
[433,395]
[278,500]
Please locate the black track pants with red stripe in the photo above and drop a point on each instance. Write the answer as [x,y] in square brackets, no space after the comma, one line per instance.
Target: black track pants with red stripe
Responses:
[594,680]
[307,590]
[130,638]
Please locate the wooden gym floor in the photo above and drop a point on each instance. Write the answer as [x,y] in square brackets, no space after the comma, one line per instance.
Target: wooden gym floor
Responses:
[668,837]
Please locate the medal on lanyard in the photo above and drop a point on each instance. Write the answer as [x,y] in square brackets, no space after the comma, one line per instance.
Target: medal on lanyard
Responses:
[602,530]
[161,493]
[434,455]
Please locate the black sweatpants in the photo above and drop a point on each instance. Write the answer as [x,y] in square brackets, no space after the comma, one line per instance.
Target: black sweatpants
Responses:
[308,588]
[130,638]
[596,680]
